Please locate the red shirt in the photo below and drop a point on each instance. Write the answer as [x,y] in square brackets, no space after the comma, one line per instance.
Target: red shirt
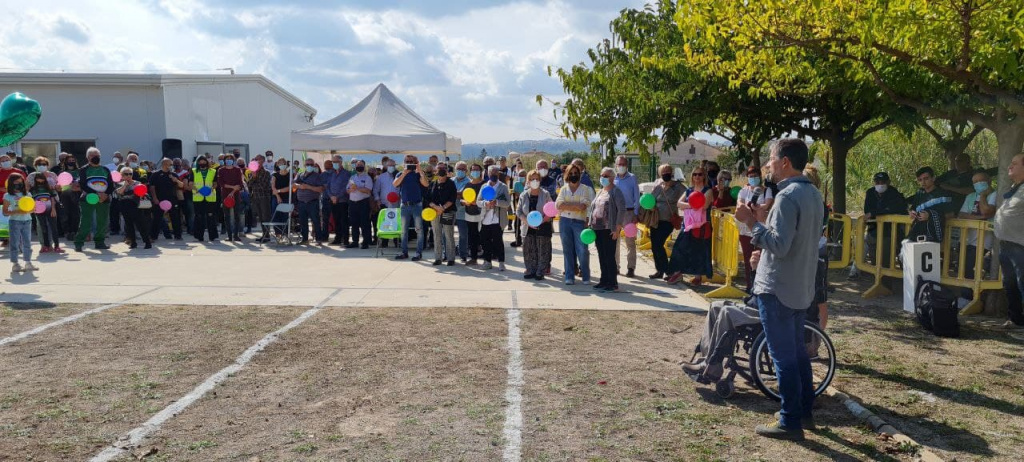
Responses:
[5,174]
[227,177]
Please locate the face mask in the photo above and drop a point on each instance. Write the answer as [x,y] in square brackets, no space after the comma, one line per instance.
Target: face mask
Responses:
[573,178]
[391,169]
[310,169]
[460,174]
[605,182]
[475,174]
[229,163]
[493,178]
[94,160]
[133,164]
[360,169]
[621,170]
[117,160]
[754,181]
[203,165]
[282,167]
[534,184]
[725,183]
[17,186]
[980,186]
[442,173]
[666,177]
[72,165]
[5,164]
[336,165]
[543,172]
[41,169]
[881,188]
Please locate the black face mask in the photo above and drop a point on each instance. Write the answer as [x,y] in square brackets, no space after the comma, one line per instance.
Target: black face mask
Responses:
[666,177]
[573,178]
[203,165]
[17,186]
[94,160]
[360,169]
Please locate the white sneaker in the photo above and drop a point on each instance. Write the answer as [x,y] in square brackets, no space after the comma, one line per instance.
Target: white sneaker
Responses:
[30,267]
[501,266]
[16,268]
[487,265]
[1006,325]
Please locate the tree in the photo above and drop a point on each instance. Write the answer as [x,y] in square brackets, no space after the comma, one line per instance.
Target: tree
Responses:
[958,60]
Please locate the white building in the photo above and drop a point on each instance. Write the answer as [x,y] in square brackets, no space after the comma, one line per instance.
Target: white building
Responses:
[688,153]
[157,114]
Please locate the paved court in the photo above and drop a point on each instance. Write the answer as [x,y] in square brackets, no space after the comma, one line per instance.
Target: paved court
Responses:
[245,274]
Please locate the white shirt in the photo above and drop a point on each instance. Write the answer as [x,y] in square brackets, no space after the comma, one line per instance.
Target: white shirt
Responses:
[972,234]
[745,195]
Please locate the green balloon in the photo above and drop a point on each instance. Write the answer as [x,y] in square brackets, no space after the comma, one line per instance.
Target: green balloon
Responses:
[588,236]
[18,114]
[735,192]
[92,198]
[648,201]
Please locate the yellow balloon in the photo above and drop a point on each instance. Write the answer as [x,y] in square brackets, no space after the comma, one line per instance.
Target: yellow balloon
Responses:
[429,214]
[469,194]
[27,204]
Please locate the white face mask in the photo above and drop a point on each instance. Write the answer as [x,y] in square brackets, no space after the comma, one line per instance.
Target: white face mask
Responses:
[543,172]
[881,188]
[534,184]
[621,169]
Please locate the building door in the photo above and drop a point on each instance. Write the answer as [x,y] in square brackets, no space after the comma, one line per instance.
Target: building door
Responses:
[32,149]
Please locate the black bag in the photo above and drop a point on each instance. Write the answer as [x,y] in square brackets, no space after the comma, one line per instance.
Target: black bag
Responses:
[936,308]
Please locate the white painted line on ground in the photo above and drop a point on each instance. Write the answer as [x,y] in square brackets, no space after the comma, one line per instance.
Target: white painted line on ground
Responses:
[133,438]
[514,390]
[72,318]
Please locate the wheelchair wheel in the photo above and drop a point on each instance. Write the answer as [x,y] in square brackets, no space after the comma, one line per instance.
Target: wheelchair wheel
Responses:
[819,348]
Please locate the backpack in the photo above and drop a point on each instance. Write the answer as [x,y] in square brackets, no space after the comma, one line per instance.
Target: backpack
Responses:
[936,308]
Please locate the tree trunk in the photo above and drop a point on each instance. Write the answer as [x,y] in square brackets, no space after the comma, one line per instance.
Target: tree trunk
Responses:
[1010,140]
[840,150]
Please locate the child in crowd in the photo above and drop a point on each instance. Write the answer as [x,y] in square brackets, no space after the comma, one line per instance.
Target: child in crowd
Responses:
[20,223]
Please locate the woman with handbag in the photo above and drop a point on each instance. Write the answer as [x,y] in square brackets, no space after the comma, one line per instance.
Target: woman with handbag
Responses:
[691,253]
[441,198]
[536,240]
[659,220]
[136,209]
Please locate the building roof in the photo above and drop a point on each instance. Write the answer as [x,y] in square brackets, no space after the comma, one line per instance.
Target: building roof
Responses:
[157,80]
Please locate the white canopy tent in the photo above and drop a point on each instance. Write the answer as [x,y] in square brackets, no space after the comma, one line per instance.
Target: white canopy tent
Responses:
[379,124]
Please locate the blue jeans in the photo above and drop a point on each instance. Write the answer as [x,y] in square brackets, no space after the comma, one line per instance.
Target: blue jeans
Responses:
[784,331]
[463,238]
[412,215]
[573,248]
[309,211]
[1011,259]
[20,233]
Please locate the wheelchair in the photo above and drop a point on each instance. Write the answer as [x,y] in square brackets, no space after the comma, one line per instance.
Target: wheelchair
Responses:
[748,357]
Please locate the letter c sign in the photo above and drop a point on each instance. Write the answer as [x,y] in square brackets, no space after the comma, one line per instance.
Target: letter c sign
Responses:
[926,262]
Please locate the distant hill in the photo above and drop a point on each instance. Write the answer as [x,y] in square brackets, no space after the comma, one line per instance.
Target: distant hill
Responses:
[552,146]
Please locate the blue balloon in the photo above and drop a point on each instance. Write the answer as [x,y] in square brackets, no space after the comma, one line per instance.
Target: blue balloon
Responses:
[534,219]
[205,191]
[488,193]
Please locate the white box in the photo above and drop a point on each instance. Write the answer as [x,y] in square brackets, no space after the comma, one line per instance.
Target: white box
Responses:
[919,259]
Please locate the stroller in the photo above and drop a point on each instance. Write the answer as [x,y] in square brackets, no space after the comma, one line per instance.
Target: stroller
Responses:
[743,350]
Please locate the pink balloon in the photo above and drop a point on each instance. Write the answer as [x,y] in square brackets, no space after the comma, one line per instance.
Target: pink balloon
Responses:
[165,205]
[64,179]
[254,166]
[630,230]
[550,209]
[40,206]
[116,176]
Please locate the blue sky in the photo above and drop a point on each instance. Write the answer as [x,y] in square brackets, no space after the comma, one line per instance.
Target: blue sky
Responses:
[473,68]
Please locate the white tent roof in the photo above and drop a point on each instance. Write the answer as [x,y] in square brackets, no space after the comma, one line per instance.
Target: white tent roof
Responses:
[380,123]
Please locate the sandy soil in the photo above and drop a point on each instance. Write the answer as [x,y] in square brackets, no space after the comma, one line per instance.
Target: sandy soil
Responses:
[963,398]
[357,384]
[16,318]
[607,386]
[68,392]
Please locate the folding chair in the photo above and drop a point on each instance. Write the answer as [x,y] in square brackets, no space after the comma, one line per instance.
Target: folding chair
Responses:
[286,238]
[389,226]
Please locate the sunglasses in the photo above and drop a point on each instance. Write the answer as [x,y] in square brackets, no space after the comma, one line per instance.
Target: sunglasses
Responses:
[697,174]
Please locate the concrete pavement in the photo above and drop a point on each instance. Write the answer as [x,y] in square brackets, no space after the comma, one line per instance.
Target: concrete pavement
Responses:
[245,274]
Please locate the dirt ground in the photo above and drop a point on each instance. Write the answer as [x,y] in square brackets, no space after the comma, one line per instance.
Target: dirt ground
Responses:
[16,318]
[963,398]
[358,384]
[68,392]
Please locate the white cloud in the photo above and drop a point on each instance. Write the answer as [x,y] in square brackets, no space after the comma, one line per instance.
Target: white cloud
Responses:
[471,67]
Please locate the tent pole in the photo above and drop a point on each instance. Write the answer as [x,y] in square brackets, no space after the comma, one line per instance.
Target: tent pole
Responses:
[291,186]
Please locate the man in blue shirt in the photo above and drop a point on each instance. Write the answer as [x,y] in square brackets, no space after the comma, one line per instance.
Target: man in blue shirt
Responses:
[309,185]
[626,182]
[337,192]
[410,182]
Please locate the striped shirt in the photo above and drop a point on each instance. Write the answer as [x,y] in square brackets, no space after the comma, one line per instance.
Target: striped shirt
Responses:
[583,195]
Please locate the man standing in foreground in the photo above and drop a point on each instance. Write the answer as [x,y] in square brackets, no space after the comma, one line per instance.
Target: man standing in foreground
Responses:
[1009,228]
[788,236]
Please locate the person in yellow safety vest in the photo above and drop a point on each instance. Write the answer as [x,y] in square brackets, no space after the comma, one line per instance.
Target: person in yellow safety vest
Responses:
[202,179]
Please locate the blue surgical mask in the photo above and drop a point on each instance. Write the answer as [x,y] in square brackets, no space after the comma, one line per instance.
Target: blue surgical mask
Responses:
[337,165]
[310,169]
[754,181]
[493,178]
[5,164]
[980,186]
[605,182]
[229,163]
[133,164]
[391,169]
[460,174]
[475,174]
[41,169]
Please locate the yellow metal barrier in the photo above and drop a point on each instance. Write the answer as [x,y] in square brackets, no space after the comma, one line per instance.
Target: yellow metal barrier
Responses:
[725,253]
[839,236]
[953,251]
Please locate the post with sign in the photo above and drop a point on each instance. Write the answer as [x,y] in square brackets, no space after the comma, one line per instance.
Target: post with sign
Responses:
[920,258]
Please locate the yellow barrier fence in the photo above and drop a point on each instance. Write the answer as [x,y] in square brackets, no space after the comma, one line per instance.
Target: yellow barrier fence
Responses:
[839,233]
[889,233]
[725,253]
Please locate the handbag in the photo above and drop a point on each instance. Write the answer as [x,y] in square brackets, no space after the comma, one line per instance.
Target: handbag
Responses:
[448,218]
[677,221]
[145,203]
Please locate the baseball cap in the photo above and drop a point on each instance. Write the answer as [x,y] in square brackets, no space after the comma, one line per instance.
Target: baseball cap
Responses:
[881,176]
